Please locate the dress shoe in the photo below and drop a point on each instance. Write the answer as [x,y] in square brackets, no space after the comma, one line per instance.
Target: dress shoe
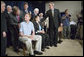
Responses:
[60,41]
[31,55]
[47,47]
[16,50]
[38,53]
[6,55]
[51,45]
[55,45]
[43,50]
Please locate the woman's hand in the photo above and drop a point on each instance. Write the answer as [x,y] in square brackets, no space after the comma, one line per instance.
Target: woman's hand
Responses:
[42,31]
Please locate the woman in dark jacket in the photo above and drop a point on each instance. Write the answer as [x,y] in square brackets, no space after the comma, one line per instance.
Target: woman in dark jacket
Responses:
[40,31]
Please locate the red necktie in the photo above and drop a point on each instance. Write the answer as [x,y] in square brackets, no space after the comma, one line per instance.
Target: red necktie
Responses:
[18,18]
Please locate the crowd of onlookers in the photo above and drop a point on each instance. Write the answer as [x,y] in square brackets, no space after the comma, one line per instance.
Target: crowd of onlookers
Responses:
[23,26]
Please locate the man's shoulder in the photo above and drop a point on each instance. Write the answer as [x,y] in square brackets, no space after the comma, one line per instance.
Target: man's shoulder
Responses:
[4,13]
[56,9]
[30,22]
[22,23]
[49,10]
[35,23]
[12,15]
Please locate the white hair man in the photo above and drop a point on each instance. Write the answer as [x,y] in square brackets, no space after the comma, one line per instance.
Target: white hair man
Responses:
[36,13]
[9,9]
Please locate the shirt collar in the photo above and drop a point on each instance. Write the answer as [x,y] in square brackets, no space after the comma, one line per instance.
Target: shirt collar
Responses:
[26,22]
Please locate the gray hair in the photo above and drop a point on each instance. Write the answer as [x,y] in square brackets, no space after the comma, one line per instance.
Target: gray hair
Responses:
[51,3]
[36,9]
[2,2]
[9,6]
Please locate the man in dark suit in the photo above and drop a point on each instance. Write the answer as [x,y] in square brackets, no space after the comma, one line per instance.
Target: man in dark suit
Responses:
[36,13]
[54,22]
[15,20]
[25,9]
[3,30]
[9,10]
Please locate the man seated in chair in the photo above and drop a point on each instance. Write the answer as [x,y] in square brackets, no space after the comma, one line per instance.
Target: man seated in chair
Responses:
[27,35]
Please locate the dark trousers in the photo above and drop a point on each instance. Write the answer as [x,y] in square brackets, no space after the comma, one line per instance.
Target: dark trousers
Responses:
[3,46]
[15,36]
[8,37]
[53,35]
[45,39]
[66,31]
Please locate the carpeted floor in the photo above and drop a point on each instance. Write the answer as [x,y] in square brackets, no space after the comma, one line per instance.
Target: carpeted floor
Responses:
[67,48]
